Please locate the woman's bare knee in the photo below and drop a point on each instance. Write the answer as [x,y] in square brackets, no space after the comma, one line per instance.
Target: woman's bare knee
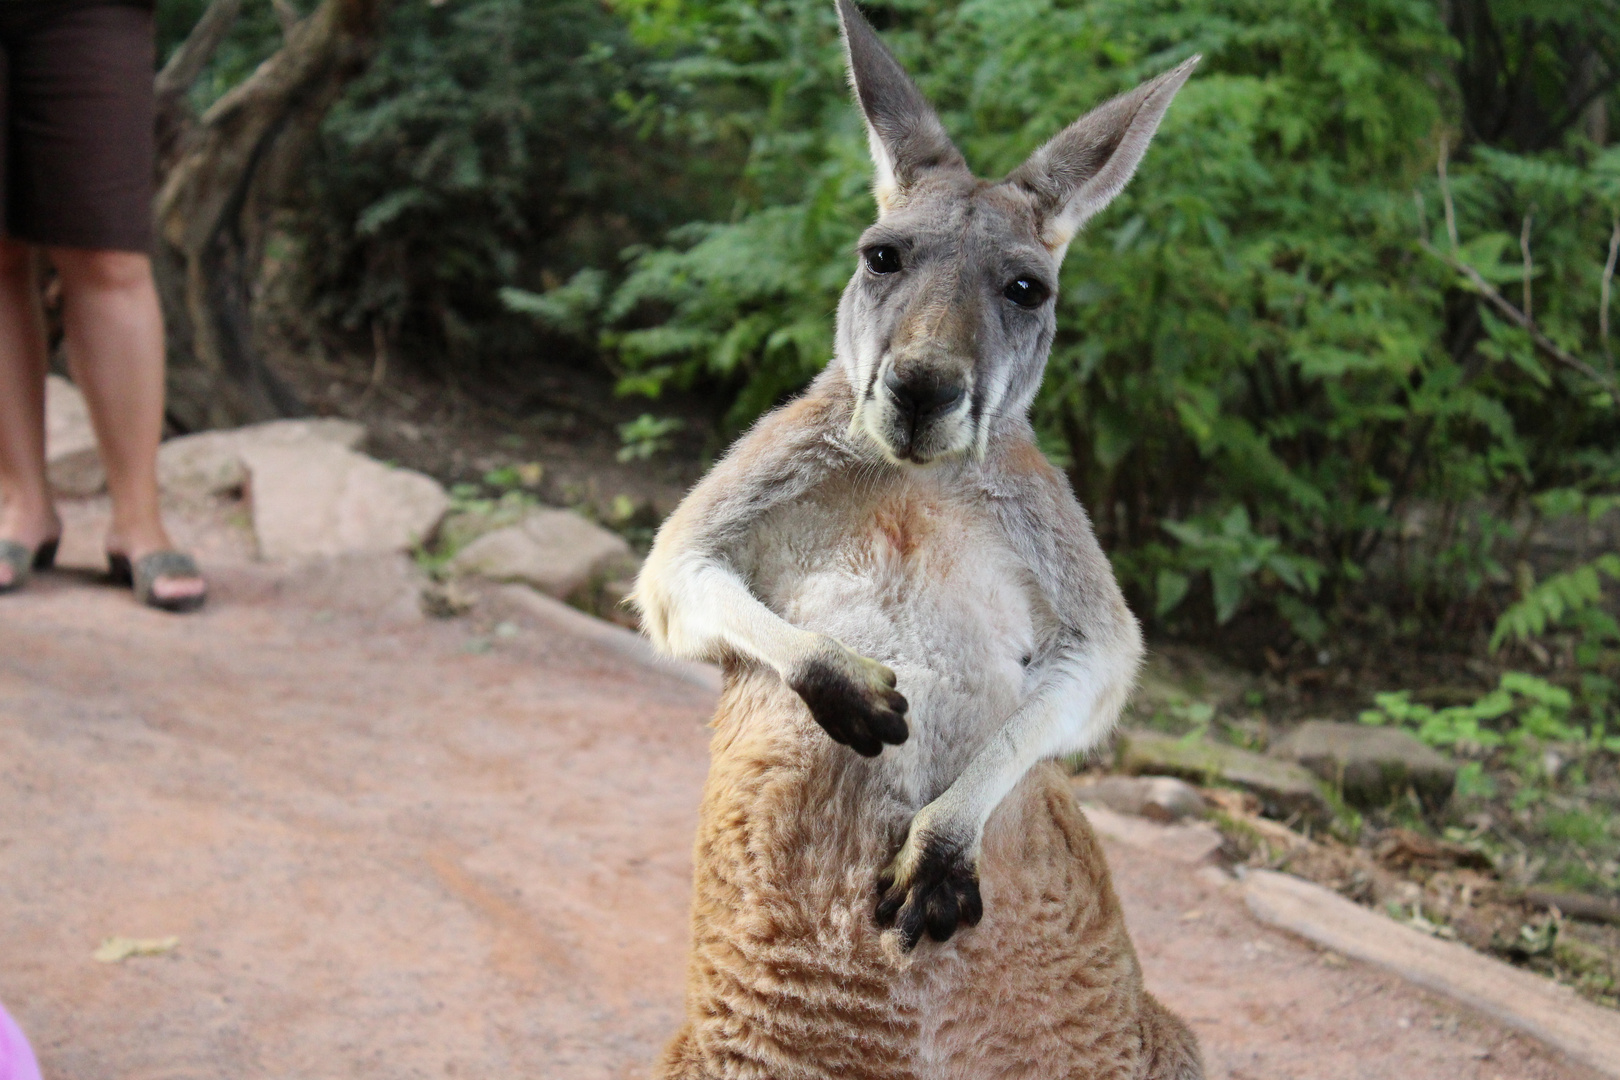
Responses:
[101,271]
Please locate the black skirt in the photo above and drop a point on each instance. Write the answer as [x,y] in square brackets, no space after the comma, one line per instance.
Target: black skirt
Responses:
[76,147]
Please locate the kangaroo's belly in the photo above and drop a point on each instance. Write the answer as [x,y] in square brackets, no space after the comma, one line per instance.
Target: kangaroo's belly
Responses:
[923,581]
[792,976]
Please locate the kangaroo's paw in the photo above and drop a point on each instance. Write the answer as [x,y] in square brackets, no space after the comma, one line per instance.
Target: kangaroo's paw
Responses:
[932,885]
[852,698]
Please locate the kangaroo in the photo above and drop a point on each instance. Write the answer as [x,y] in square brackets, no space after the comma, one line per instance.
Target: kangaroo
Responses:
[914,618]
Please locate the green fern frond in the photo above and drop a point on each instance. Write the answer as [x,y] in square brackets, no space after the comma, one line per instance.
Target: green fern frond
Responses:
[1560,596]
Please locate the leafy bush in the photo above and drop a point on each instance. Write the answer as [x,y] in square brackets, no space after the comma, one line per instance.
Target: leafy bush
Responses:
[488,148]
[1288,378]
[1275,383]
[490,145]
[1573,596]
[1523,712]
[1238,561]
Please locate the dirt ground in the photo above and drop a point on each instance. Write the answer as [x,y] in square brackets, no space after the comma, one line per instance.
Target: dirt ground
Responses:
[400,847]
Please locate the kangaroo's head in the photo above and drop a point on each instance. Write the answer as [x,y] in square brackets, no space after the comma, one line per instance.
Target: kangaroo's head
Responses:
[946,325]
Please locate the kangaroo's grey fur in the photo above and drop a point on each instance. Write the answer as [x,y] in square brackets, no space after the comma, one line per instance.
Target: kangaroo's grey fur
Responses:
[892,546]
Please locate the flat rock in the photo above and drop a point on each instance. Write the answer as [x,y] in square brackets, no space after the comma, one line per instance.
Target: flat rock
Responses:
[1283,788]
[566,621]
[1157,798]
[315,499]
[555,551]
[72,463]
[1536,1006]
[210,462]
[613,602]
[1187,843]
[1372,766]
[464,526]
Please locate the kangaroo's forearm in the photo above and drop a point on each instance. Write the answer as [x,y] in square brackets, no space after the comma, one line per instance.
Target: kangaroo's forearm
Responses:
[1072,710]
[699,608]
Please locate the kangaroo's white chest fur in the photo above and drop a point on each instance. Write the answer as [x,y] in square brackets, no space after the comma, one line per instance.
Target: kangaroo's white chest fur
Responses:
[910,570]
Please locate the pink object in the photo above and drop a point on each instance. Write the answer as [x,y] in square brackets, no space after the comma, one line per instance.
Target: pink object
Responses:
[16,1059]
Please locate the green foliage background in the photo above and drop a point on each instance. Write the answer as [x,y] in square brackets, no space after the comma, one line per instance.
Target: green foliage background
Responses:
[1266,390]
[489,144]
[486,147]
[1271,388]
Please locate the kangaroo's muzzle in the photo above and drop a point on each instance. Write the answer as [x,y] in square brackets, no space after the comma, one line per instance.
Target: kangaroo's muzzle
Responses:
[922,398]
[922,414]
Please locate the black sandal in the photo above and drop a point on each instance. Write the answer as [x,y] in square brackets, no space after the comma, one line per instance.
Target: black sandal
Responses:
[144,573]
[24,560]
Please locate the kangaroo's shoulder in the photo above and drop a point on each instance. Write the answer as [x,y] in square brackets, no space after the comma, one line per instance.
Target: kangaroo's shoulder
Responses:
[1020,483]
[809,433]
[787,452]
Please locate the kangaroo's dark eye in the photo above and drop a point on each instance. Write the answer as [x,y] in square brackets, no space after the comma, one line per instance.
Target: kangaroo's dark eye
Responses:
[1026,292]
[882,259]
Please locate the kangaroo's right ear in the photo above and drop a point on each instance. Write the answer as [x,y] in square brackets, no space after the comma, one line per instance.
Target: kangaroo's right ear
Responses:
[907,139]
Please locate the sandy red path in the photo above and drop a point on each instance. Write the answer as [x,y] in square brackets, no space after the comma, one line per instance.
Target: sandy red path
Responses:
[387,853]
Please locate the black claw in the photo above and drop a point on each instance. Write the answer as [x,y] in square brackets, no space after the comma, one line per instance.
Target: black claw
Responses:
[891,729]
[889,907]
[940,916]
[969,906]
[910,923]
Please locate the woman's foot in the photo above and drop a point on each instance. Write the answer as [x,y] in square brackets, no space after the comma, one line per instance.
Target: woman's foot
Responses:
[35,535]
[18,561]
[170,579]
[143,575]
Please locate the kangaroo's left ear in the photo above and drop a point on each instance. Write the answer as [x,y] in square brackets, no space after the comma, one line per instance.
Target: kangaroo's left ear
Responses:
[1089,162]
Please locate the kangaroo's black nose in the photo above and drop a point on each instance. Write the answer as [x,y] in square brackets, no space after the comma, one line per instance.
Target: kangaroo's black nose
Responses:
[922,397]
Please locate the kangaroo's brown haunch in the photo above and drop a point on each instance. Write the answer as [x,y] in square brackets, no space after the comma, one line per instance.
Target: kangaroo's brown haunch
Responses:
[915,618]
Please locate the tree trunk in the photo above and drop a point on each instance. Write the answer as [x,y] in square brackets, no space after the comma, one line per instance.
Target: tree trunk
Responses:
[221,177]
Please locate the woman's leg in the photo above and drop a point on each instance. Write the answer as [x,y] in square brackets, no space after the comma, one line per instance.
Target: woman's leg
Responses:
[26,515]
[114,328]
